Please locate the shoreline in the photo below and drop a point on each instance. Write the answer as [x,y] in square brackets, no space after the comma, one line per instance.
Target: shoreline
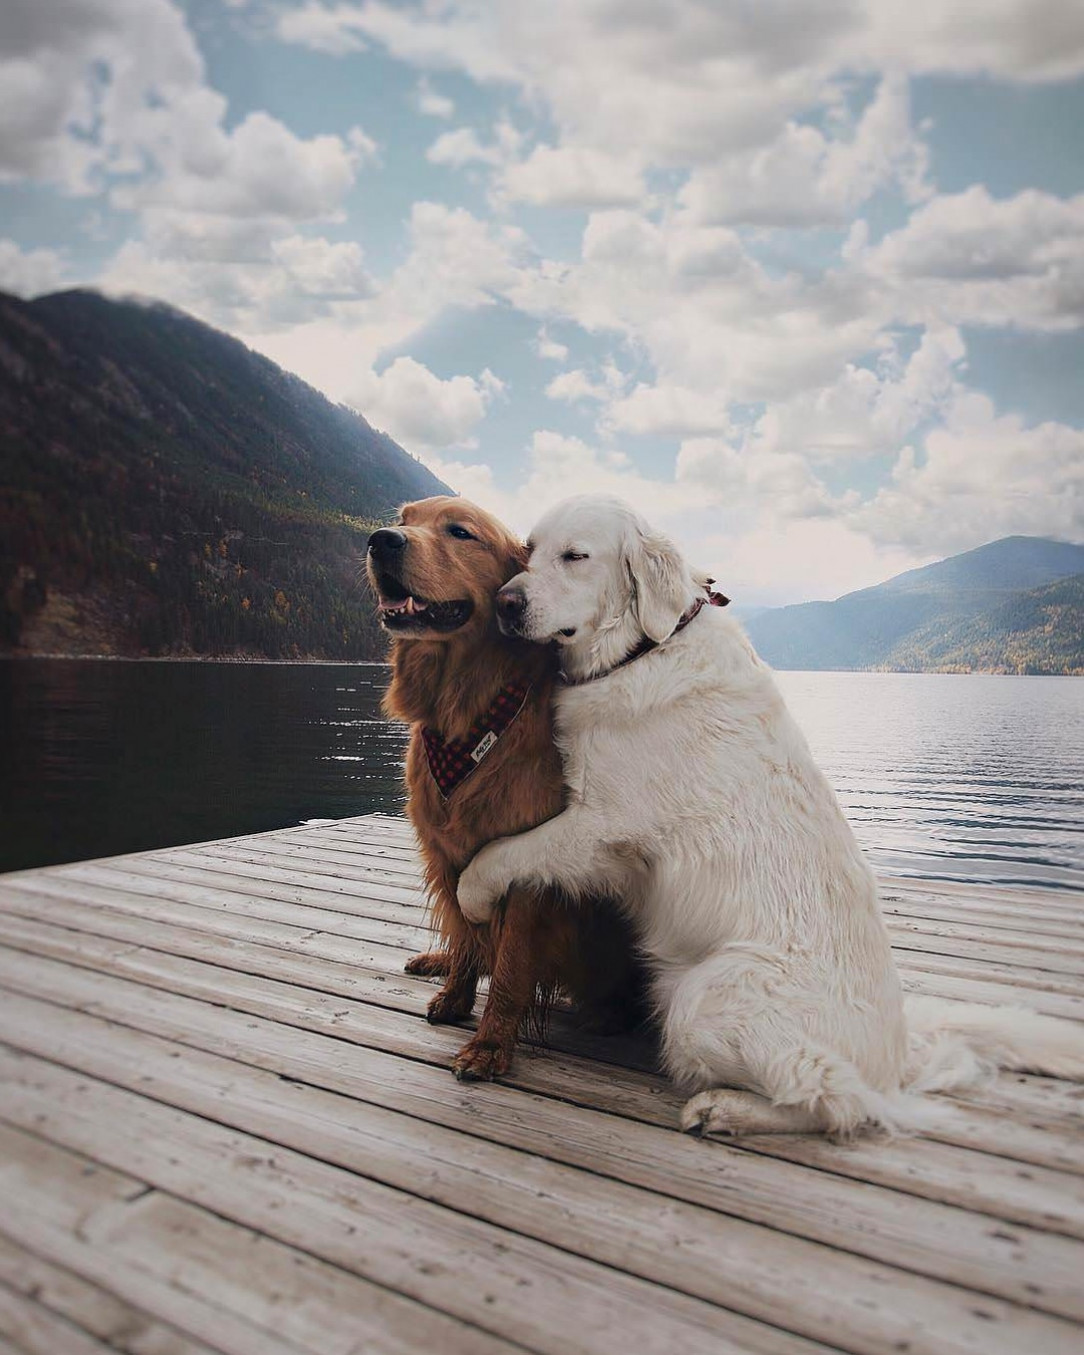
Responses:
[245,660]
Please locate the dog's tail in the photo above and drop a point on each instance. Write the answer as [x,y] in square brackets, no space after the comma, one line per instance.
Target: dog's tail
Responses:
[954,1045]
[958,1044]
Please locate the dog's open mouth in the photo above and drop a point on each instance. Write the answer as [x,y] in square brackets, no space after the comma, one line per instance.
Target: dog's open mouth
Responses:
[403,611]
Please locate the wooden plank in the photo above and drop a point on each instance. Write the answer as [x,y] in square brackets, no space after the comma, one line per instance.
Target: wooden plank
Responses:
[306,916]
[117,1325]
[1013,896]
[364,899]
[374,928]
[512,1286]
[1005,921]
[56,1202]
[238,922]
[1008,942]
[292,1302]
[214,889]
[1035,1195]
[380,981]
[36,1331]
[337,865]
[875,1315]
[1063,960]
[130,949]
[964,988]
[1020,982]
[1033,1268]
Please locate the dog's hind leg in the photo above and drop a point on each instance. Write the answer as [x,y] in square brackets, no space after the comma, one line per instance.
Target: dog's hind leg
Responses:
[735,1021]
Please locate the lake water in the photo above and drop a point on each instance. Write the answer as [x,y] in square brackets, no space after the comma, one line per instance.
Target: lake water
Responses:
[945,777]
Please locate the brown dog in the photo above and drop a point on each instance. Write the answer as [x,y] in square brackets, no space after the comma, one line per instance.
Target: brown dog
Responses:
[481,764]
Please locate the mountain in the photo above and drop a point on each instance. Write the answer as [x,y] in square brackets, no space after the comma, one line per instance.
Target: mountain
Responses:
[1010,606]
[166,491]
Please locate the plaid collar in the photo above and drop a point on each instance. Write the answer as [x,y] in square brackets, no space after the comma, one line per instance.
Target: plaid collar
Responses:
[451,761]
[710,599]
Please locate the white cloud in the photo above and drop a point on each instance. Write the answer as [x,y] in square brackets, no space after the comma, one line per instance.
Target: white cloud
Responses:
[462,146]
[547,347]
[420,410]
[30,272]
[322,28]
[806,178]
[322,268]
[980,476]
[865,411]
[237,274]
[969,258]
[76,78]
[573,176]
[259,169]
[775,563]
[431,102]
[697,81]
[575,385]
[706,314]
[669,410]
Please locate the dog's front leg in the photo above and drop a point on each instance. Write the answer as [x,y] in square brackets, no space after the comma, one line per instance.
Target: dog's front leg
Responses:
[565,853]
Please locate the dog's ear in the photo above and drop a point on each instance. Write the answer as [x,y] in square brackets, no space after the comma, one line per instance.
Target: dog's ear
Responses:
[661,584]
[514,556]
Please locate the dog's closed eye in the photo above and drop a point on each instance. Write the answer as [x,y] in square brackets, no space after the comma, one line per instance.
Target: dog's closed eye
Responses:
[570,556]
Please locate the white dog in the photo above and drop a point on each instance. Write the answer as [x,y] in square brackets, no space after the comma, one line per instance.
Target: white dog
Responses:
[694,800]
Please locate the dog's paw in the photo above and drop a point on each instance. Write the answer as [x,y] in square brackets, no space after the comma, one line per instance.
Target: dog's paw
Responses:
[482,1060]
[706,1113]
[431,964]
[448,1009]
[477,894]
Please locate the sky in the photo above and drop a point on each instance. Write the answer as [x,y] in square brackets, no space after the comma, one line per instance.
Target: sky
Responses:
[803,280]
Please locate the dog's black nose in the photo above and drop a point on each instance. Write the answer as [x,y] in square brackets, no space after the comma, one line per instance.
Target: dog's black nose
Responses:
[386,541]
[511,603]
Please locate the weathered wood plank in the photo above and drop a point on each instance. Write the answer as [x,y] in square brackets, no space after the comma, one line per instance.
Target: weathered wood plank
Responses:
[57,1202]
[36,1331]
[1035,1195]
[513,1286]
[1031,1267]
[250,988]
[379,981]
[89,1307]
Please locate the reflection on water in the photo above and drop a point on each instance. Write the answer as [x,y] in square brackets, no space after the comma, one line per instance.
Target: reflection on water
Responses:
[954,777]
[966,778]
[108,757]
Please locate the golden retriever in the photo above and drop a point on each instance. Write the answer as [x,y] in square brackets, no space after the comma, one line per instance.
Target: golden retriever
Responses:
[481,764]
[698,804]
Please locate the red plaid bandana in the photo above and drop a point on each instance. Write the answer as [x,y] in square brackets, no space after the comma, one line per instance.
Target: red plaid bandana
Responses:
[451,761]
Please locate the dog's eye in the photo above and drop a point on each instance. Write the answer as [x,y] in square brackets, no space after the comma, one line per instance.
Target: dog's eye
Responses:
[570,556]
[461,533]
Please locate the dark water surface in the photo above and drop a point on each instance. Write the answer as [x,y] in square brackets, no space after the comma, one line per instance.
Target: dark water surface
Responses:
[964,778]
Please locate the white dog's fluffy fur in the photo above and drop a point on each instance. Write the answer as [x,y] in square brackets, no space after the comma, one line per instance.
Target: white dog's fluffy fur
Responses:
[694,800]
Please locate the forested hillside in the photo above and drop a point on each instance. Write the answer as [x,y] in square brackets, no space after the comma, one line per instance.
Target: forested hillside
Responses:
[166,491]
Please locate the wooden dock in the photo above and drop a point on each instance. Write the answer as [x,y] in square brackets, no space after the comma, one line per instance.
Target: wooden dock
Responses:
[225,1125]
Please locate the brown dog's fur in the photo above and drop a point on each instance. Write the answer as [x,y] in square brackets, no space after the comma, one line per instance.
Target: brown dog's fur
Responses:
[446,681]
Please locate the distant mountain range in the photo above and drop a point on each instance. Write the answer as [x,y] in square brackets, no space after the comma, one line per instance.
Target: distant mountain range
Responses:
[166,491]
[1012,606]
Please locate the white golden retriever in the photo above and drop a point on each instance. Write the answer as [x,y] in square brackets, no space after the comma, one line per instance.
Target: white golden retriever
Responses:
[694,800]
